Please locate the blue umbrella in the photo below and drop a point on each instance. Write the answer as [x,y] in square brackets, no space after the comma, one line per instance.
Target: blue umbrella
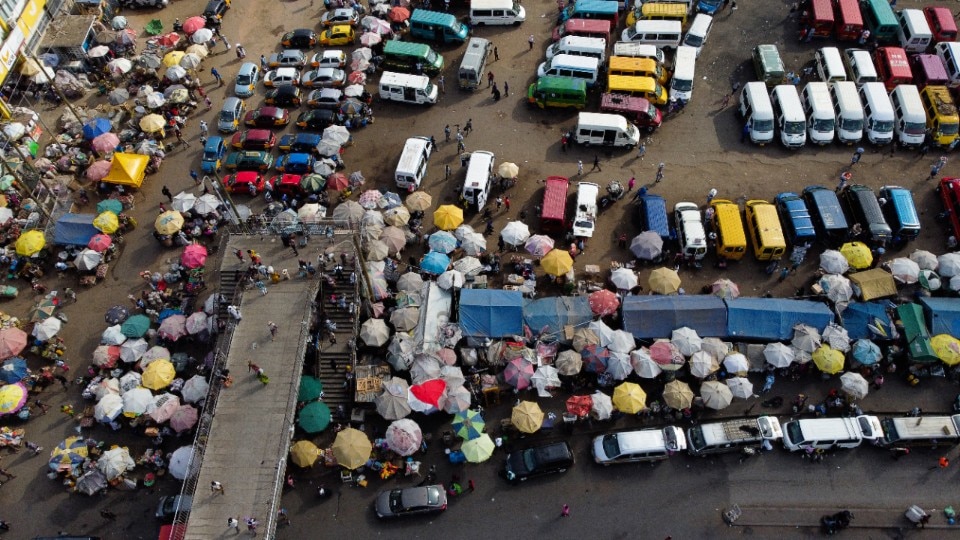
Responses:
[435,263]
[468,424]
[13,370]
[443,241]
[390,200]
[168,312]
[866,352]
[96,127]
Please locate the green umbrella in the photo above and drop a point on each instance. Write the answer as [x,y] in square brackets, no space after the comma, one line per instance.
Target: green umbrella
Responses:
[6,182]
[310,388]
[315,417]
[135,326]
[468,424]
[313,183]
[110,205]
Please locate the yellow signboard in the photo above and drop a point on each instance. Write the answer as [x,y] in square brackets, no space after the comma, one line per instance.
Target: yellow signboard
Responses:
[10,50]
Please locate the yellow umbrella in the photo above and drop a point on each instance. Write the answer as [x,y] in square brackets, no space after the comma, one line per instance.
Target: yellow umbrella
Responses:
[106,222]
[173,58]
[527,417]
[664,281]
[448,217]
[857,254]
[304,453]
[152,123]
[478,450]
[629,398]
[557,262]
[168,222]
[352,448]
[30,243]
[947,348]
[677,394]
[828,360]
[159,374]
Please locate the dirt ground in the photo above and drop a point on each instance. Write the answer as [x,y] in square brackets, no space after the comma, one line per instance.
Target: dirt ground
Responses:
[700,148]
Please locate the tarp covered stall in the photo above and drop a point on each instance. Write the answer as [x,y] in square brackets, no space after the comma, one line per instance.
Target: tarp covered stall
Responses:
[549,315]
[876,283]
[657,316]
[434,313]
[916,334]
[773,319]
[127,169]
[943,315]
[867,320]
[491,312]
[74,229]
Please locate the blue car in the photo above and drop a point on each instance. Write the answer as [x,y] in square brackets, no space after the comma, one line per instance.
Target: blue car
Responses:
[213,153]
[299,142]
[296,163]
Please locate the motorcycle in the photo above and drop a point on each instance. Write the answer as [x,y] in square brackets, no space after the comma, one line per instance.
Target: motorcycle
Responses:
[832,524]
[615,192]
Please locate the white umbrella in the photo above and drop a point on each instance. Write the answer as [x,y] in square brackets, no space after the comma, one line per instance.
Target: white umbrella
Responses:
[87,260]
[621,341]
[515,233]
[354,90]
[132,349]
[156,99]
[619,365]
[716,395]
[473,244]
[836,336]
[163,407]
[129,381]
[98,52]
[410,282]
[206,204]
[702,364]
[179,462]
[450,279]
[377,250]
[643,364]
[405,319]
[455,399]
[624,278]
[136,401]
[602,406]
[115,462]
[190,61]
[806,338]
[154,353]
[452,375]
[948,264]
[119,66]
[736,363]
[183,201]
[468,266]
[400,352]
[173,73]
[113,336]
[546,377]
[715,346]
[837,288]
[374,332]
[602,331]
[46,328]
[392,403]
[201,36]
[833,262]
[740,387]
[904,270]
[425,368]
[925,259]
[686,340]
[778,355]
[107,386]
[195,389]
[854,385]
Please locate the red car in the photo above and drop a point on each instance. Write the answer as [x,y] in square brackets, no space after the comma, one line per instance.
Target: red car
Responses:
[286,184]
[267,117]
[949,190]
[254,139]
[241,182]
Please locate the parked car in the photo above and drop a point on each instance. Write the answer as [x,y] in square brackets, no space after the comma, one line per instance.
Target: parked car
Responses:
[213,153]
[285,96]
[316,120]
[254,139]
[299,142]
[230,114]
[334,58]
[267,117]
[340,16]
[241,182]
[296,163]
[949,190]
[286,184]
[170,504]
[282,77]
[521,465]
[215,10]
[287,58]
[341,34]
[325,98]
[247,79]
[249,160]
[323,77]
[301,38]
[412,500]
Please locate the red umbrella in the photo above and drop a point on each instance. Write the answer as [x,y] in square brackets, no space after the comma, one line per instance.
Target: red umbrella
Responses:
[105,143]
[398,14]
[665,353]
[337,181]
[357,77]
[429,392]
[194,256]
[168,40]
[603,303]
[100,243]
[579,405]
[193,24]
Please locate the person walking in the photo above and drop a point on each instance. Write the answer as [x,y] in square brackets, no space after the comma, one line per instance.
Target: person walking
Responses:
[579,167]
[499,202]
[263,63]
[659,173]
[712,194]
[204,128]
[216,75]
[564,140]
[470,485]
[195,176]
[441,85]
[166,193]
[506,88]
[565,511]
[239,254]
[844,178]
[506,202]
[496,54]
[43,407]
[241,52]
[272,326]
[631,183]
[641,151]
[252,525]
[217,487]
[234,523]
[898,452]
[468,127]
[596,163]
[935,168]
[856,156]
[489,79]
[530,41]
[446,133]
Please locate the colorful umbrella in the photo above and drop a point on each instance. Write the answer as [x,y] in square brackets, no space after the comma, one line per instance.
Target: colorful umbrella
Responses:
[106,356]
[304,453]
[468,424]
[425,397]
[12,341]
[192,24]
[538,245]
[106,143]
[100,243]
[135,326]
[527,417]
[404,437]
[448,217]
[314,417]
[184,418]
[194,256]
[518,373]
[666,355]
[579,406]
[945,346]
[724,288]
[677,394]
[96,127]
[595,357]
[557,262]
[197,322]
[352,448]
[70,453]
[479,449]
[173,327]
[159,374]
[370,198]
[98,170]
[12,398]
[434,263]
[828,360]
[30,243]
[168,222]
[603,303]
[44,309]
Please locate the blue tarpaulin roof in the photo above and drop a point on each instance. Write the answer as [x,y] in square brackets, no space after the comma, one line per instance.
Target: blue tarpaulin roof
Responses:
[491,312]
[860,316]
[943,315]
[658,316]
[74,229]
[773,319]
[551,314]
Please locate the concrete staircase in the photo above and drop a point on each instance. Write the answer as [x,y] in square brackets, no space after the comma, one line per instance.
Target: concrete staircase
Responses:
[341,353]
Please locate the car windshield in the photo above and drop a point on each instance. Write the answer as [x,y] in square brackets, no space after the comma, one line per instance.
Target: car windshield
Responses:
[244,79]
[914,128]
[681,85]
[794,432]
[793,128]
[227,116]
[695,436]
[631,34]
[210,154]
[584,224]
[396,500]
[611,448]
[431,57]
[433,496]
[529,460]
[693,41]
[823,125]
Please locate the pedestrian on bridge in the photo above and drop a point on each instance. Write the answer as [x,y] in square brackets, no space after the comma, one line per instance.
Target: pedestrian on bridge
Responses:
[217,487]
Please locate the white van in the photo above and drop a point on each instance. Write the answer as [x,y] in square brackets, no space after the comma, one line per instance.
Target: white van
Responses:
[827,433]
[476,187]
[656,33]
[605,130]
[877,112]
[848,111]
[690,232]
[501,12]
[639,50]
[586,68]
[911,120]
[788,113]
[913,31]
[579,46]
[949,53]
[681,85]
[819,110]
[412,167]
[407,88]
[757,112]
[473,67]
[638,446]
[585,218]
[829,64]
[860,66]
[699,31]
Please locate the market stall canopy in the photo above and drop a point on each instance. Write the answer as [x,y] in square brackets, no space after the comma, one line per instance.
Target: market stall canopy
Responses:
[874,283]
[549,315]
[127,169]
[491,312]
[656,316]
[942,314]
[557,263]
[868,320]
[772,319]
[74,230]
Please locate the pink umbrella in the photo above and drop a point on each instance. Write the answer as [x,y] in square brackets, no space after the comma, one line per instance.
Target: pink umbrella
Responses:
[338,181]
[100,243]
[105,143]
[603,303]
[539,245]
[196,323]
[359,64]
[173,327]
[357,77]
[665,353]
[518,373]
[369,39]
[448,356]
[98,170]
[12,341]
[194,256]
[184,418]
[398,14]
[106,356]
[193,24]
[404,437]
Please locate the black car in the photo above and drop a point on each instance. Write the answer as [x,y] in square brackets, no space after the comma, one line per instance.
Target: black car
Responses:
[215,11]
[317,119]
[550,458]
[301,38]
[284,96]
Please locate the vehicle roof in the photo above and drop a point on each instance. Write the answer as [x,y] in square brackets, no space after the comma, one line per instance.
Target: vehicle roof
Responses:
[301,32]
[213,142]
[270,110]
[247,68]
[230,103]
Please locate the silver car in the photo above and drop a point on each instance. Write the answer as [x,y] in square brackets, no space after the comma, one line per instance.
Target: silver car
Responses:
[411,500]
